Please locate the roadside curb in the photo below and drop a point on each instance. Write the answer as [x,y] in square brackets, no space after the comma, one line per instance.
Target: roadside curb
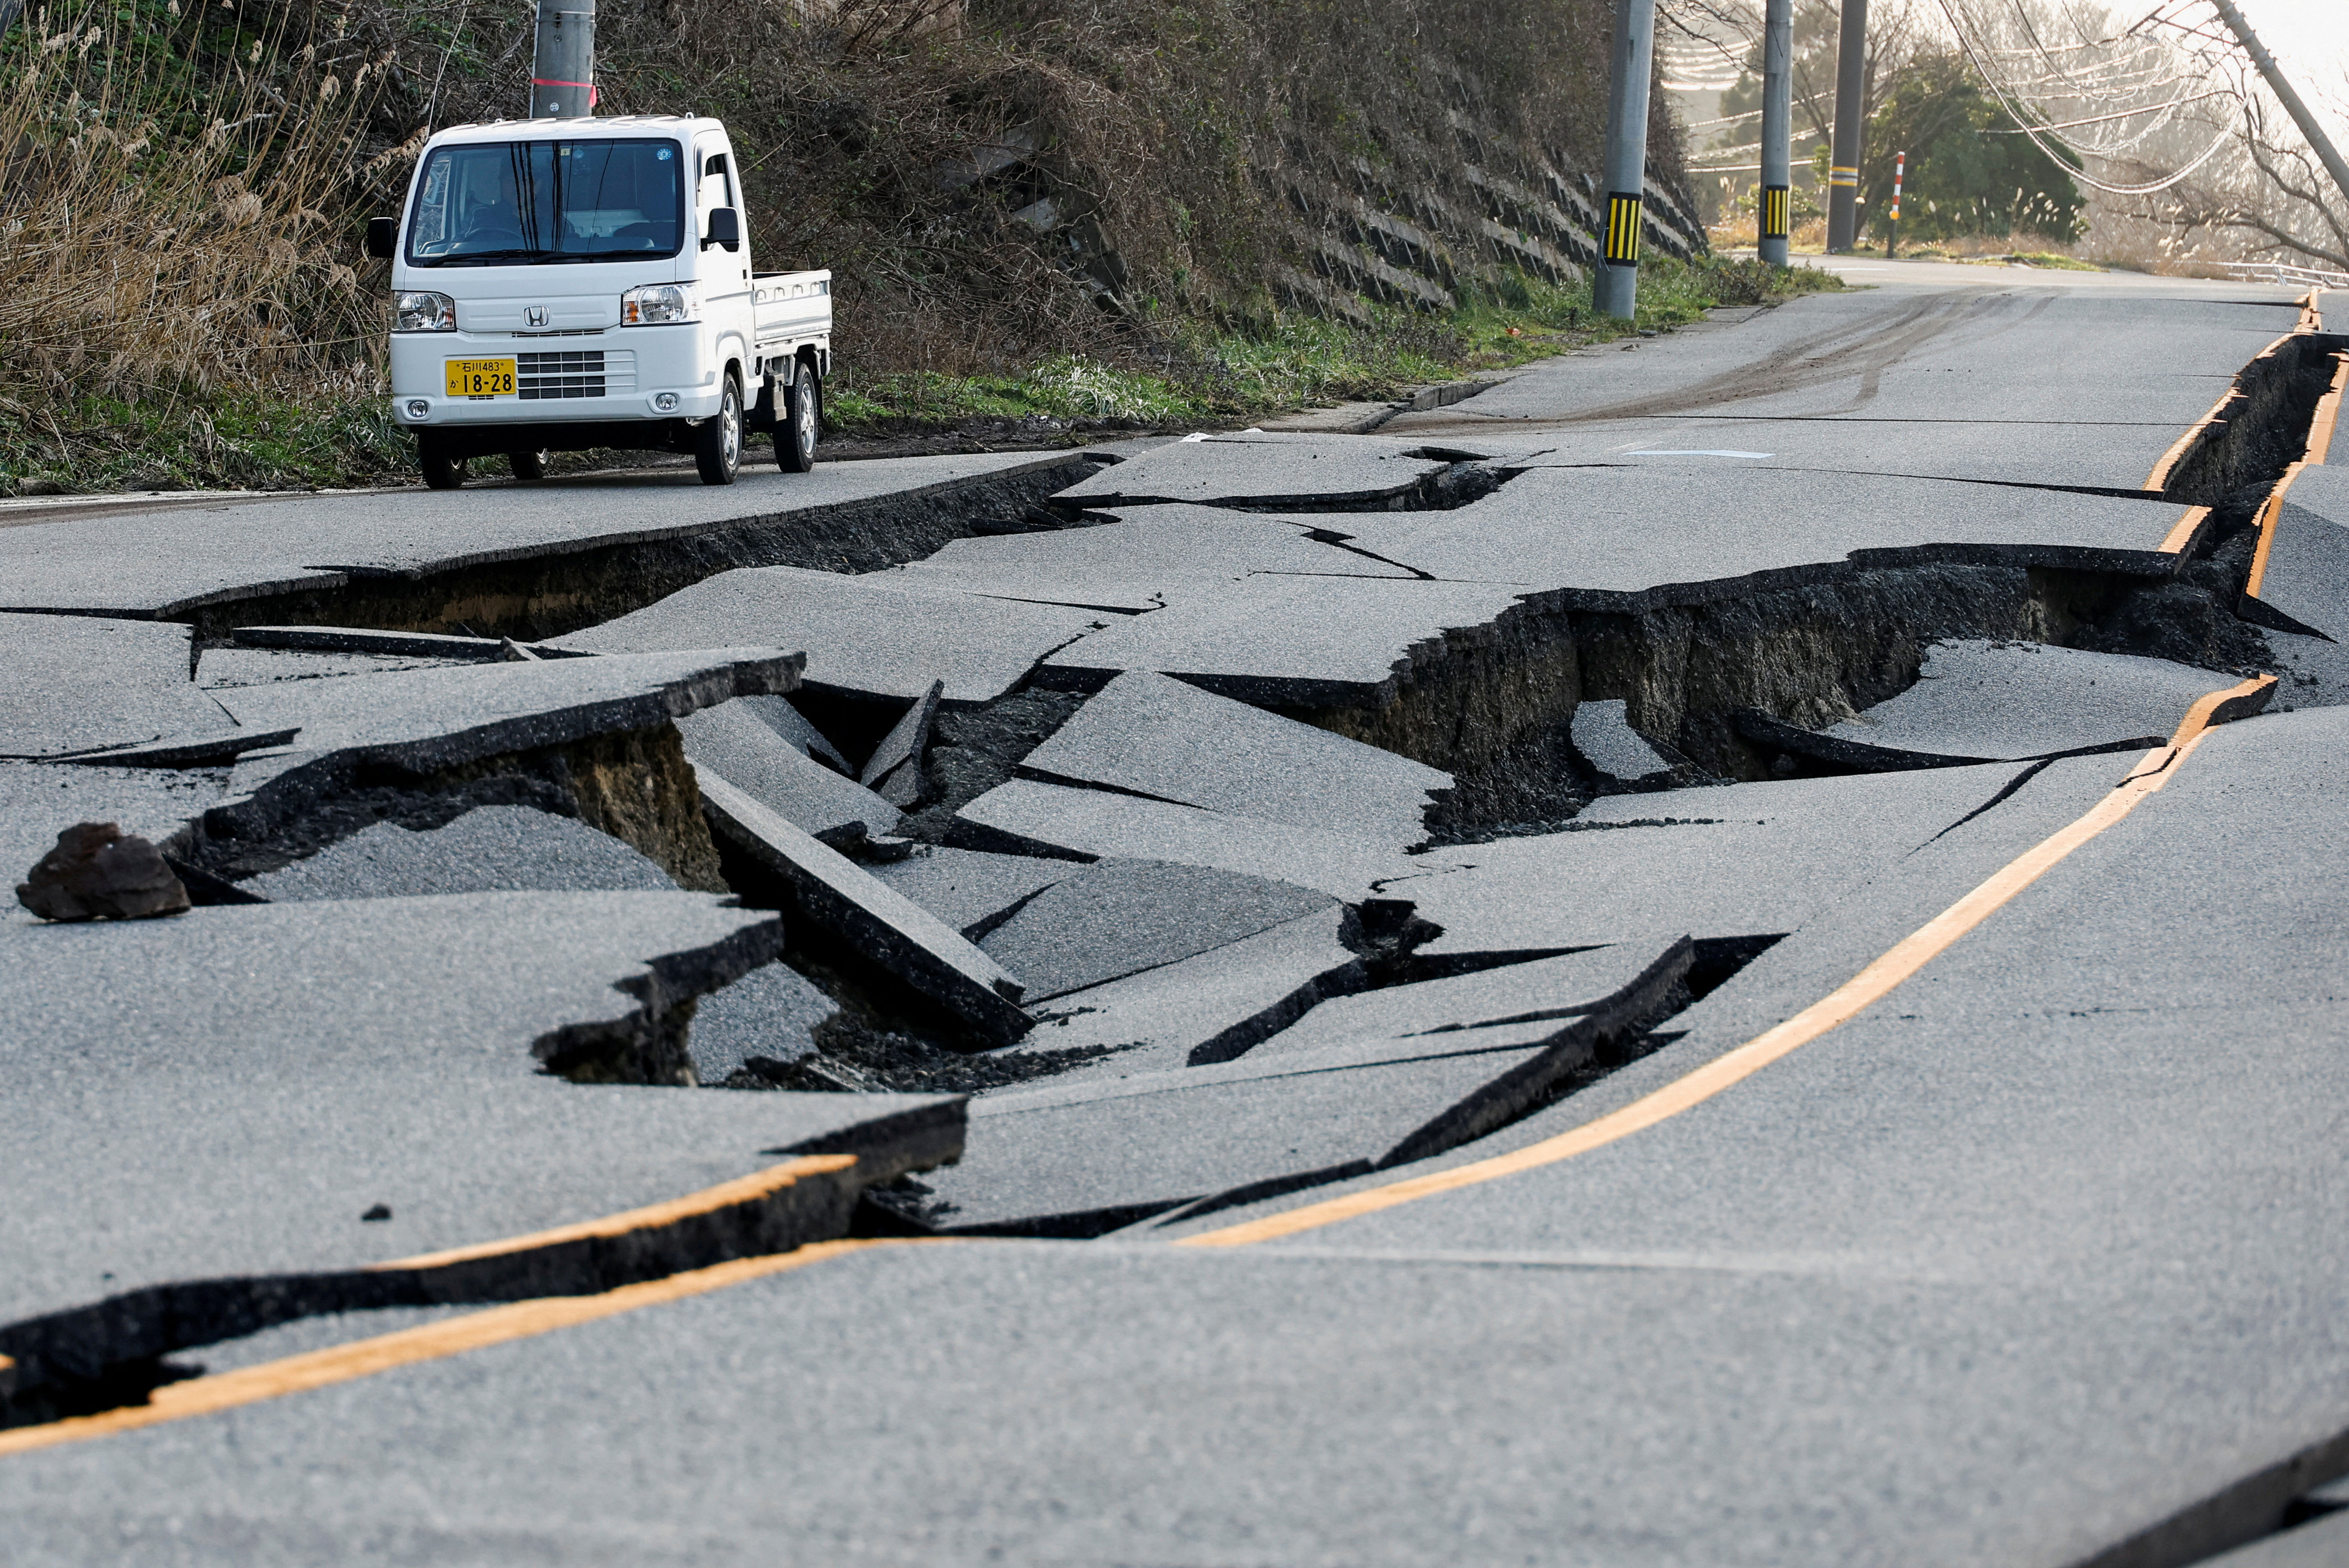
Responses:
[1361,418]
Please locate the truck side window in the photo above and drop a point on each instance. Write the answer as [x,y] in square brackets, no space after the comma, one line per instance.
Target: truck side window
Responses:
[716,189]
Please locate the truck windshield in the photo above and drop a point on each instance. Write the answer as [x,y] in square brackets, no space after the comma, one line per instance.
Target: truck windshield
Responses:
[525,202]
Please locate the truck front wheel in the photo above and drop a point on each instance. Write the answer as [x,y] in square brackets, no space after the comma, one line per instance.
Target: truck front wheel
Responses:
[443,469]
[528,465]
[795,431]
[717,440]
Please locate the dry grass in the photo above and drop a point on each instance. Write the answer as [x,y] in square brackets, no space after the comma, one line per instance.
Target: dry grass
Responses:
[183,299]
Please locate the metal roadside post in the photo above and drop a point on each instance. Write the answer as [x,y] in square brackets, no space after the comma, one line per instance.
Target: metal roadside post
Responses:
[562,68]
[2320,143]
[1851,89]
[1892,220]
[1777,132]
[1615,281]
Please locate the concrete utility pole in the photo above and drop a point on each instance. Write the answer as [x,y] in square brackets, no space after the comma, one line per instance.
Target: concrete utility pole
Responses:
[1777,131]
[563,71]
[2283,89]
[1851,89]
[1615,282]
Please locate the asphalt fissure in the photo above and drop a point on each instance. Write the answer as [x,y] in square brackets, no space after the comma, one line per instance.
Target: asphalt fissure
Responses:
[550,593]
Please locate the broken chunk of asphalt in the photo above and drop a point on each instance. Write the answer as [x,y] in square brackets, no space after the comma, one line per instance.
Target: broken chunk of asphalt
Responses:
[1978,702]
[1167,739]
[191,1155]
[778,714]
[1603,737]
[1285,641]
[970,889]
[586,737]
[96,871]
[772,1012]
[489,849]
[893,771]
[1211,1007]
[1029,818]
[1129,564]
[875,636]
[1724,861]
[1114,918]
[882,926]
[731,741]
[1086,1158]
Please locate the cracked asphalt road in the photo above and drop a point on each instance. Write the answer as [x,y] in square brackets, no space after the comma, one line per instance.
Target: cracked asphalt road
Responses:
[1424,1143]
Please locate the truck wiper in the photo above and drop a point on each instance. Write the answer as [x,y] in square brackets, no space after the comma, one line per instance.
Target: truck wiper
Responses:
[478,258]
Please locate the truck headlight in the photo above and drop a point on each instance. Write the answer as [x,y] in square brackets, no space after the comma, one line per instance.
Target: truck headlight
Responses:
[418,409]
[423,312]
[657,304]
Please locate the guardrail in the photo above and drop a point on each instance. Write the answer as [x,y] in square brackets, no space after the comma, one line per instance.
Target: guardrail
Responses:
[2284,273]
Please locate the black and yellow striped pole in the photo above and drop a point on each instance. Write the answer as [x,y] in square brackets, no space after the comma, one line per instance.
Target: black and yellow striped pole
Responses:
[1614,281]
[1850,112]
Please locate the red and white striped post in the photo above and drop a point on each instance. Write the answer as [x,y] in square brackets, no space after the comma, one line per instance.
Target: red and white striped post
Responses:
[1893,227]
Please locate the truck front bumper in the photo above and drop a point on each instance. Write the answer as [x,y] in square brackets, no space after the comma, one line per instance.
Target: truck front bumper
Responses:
[653,373]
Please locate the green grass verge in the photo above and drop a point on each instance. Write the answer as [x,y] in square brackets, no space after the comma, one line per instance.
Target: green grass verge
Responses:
[1300,361]
[1216,377]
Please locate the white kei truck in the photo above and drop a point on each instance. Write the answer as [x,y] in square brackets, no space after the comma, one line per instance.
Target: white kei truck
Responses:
[562,285]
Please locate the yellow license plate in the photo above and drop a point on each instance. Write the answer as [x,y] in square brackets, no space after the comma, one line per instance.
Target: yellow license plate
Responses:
[481,377]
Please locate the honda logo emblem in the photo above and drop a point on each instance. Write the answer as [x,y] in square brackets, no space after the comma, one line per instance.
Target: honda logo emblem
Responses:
[534,316]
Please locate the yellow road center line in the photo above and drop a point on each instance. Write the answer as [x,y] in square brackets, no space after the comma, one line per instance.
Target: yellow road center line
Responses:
[428,1342]
[2187,527]
[1840,1006]
[2268,513]
[726,1195]
[2328,412]
[2159,478]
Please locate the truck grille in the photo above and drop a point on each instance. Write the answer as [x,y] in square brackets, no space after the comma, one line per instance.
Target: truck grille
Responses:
[574,375]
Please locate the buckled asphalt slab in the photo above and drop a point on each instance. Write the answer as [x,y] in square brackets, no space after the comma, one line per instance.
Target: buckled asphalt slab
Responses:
[1053,819]
[488,849]
[1167,739]
[871,636]
[84,684]
[1984,702]
[970,889]
[171,561]
[1731,861]
[2305,569]
[1213,1007]
[209,1106]
[731,741]
[1131,563]
[880,924]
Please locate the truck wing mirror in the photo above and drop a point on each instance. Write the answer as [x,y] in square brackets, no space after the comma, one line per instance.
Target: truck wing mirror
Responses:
[383,237]
[725,229]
